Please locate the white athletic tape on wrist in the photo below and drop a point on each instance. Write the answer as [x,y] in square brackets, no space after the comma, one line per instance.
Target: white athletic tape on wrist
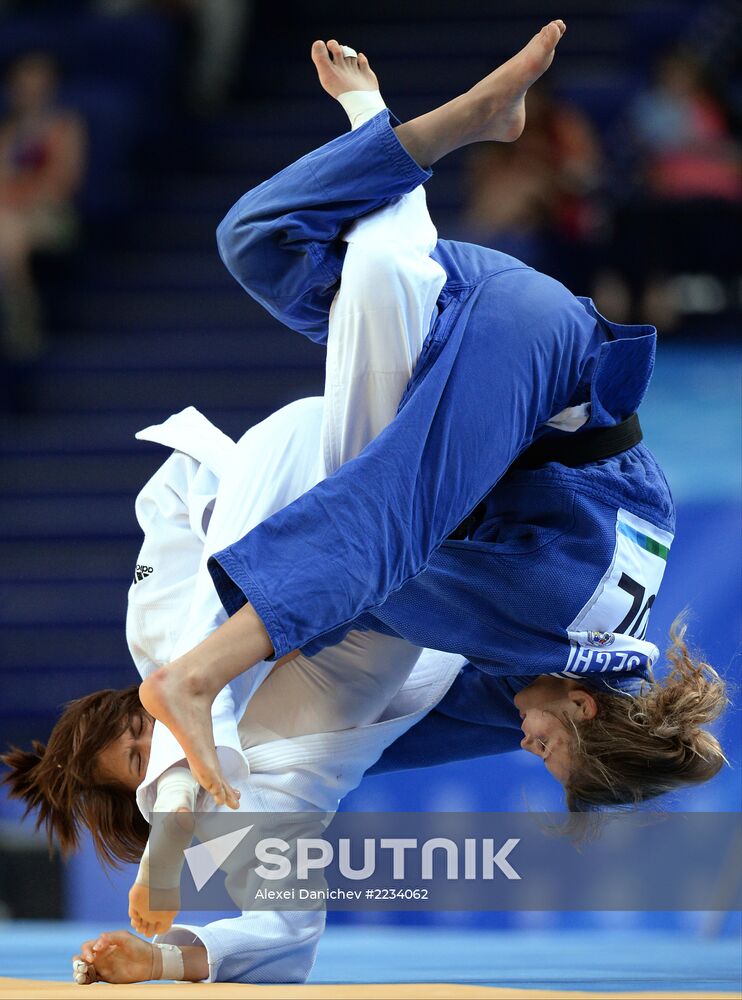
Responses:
[361,105]
[348,52]
[176,789]
[166,873]
[172,962]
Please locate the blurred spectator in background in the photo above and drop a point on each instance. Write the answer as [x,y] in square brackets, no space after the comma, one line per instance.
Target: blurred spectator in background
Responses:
[218,30]
[683,218]
[538,198]
[684,141]
[42,163]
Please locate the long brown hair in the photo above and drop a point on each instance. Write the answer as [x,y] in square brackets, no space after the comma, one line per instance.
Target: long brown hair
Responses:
[638,747]
[62,782]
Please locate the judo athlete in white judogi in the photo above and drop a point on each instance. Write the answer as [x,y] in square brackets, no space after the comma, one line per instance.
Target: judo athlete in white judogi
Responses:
[299,736]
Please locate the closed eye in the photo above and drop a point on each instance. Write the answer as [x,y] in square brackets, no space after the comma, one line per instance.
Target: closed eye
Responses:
[135,753]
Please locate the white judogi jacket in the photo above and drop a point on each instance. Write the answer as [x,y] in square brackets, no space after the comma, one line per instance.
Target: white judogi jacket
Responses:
[372,349]
[299,774]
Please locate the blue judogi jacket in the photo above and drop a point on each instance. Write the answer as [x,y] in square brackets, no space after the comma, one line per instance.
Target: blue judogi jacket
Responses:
[509,348]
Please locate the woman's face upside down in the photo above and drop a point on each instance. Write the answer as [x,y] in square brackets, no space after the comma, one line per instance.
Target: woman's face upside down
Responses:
[125,760]
[546,708]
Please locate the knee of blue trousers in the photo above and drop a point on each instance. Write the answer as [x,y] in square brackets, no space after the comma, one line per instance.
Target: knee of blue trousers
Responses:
[254,256]
[292,284]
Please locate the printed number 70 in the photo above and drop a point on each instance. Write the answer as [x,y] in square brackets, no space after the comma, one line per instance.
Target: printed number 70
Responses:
[636,621]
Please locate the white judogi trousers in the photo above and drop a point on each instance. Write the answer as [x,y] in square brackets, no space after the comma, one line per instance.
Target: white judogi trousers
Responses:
[378,322]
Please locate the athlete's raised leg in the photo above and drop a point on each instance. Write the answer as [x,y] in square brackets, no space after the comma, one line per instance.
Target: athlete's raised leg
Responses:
[281,241]
[494,109]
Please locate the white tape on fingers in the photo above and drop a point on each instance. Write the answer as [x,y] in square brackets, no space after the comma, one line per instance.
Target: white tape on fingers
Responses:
[80,972]
[348,52]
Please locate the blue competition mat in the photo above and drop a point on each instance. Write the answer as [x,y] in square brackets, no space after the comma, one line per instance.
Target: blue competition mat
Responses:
[591,960]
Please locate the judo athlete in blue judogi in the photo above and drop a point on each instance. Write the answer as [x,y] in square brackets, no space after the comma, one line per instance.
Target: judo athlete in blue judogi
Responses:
[483,520]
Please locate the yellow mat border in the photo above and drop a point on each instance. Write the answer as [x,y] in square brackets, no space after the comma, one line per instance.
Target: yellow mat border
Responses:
[34,989]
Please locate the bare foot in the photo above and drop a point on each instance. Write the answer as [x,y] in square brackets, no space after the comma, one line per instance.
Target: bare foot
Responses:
[338,73]
[494,108]
[185,708]
[500,97]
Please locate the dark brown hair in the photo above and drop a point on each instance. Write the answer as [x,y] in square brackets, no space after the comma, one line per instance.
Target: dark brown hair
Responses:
[639,747]
[61,780]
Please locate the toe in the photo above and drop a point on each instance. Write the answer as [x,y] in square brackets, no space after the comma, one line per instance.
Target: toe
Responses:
[333,47]
[219,793]
[551,34]
[320,53]
[362,61]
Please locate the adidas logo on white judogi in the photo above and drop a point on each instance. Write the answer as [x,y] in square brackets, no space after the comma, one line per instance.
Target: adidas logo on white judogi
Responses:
[141,572]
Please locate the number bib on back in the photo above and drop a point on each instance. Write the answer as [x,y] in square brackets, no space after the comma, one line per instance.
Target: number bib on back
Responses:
[608,633]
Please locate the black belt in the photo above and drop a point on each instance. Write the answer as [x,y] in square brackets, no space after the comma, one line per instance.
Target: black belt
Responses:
[577,448]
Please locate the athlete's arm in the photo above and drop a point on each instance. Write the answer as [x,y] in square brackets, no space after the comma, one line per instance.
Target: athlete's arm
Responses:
[122,957]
